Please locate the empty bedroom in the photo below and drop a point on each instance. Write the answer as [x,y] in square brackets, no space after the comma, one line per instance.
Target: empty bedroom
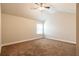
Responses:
[38,29]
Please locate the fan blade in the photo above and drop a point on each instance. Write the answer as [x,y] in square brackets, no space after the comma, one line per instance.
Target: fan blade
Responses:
[36,3]
[47,7]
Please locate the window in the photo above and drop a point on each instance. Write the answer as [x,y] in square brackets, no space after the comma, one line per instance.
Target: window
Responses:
[39,28]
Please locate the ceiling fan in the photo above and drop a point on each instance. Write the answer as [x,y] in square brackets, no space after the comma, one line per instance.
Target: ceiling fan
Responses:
[42,6]
[45,8]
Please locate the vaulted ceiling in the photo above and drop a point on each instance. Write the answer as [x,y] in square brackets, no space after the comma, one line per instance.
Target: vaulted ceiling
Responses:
[27,9]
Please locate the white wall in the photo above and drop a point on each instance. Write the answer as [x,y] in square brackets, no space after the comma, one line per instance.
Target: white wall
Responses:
[0,28]
[61,26]
[15,28]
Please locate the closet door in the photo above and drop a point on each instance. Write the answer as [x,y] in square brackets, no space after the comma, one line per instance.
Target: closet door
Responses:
[0,27]
[77,29]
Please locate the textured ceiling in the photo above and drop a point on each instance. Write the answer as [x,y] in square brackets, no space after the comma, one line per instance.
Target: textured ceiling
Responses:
[26,9]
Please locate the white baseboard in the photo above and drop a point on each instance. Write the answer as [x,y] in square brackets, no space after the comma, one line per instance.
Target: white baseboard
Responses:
[20,41]
[49,37]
